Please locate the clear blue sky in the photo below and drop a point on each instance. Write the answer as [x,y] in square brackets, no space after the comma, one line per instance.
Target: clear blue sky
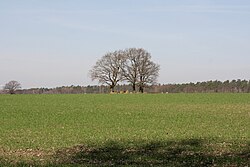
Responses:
[49,43]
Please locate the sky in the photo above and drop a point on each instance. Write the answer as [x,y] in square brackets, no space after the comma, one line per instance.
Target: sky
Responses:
[50,43]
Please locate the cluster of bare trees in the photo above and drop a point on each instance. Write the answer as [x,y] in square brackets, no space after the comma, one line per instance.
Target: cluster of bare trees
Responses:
[133,65]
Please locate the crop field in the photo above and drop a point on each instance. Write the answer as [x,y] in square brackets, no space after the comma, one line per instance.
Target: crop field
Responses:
[125,129]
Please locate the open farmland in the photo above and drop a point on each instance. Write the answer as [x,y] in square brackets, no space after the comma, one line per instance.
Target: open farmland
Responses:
[125,129]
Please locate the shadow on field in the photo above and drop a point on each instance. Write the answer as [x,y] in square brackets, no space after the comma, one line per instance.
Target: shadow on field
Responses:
[183,153]
[193,152]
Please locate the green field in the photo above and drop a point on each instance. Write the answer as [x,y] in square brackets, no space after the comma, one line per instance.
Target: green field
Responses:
[125,129]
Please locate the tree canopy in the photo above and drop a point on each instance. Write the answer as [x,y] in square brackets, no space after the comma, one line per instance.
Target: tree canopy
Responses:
[133,65]
[12,86]
[108,70]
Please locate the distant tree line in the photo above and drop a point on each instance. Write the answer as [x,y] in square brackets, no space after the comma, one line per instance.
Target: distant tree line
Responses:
[233,86]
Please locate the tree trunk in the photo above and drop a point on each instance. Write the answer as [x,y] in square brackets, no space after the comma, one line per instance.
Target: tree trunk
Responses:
[141,89]
[11,92]
[133,87]
[112,88]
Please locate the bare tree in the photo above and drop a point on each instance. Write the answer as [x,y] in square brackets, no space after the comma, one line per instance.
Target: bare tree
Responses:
[12,86]
[139,69]
[148,73]
[130,68]
[108,70]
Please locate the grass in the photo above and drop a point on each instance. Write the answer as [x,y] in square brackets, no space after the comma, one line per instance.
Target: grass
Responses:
[133,129]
